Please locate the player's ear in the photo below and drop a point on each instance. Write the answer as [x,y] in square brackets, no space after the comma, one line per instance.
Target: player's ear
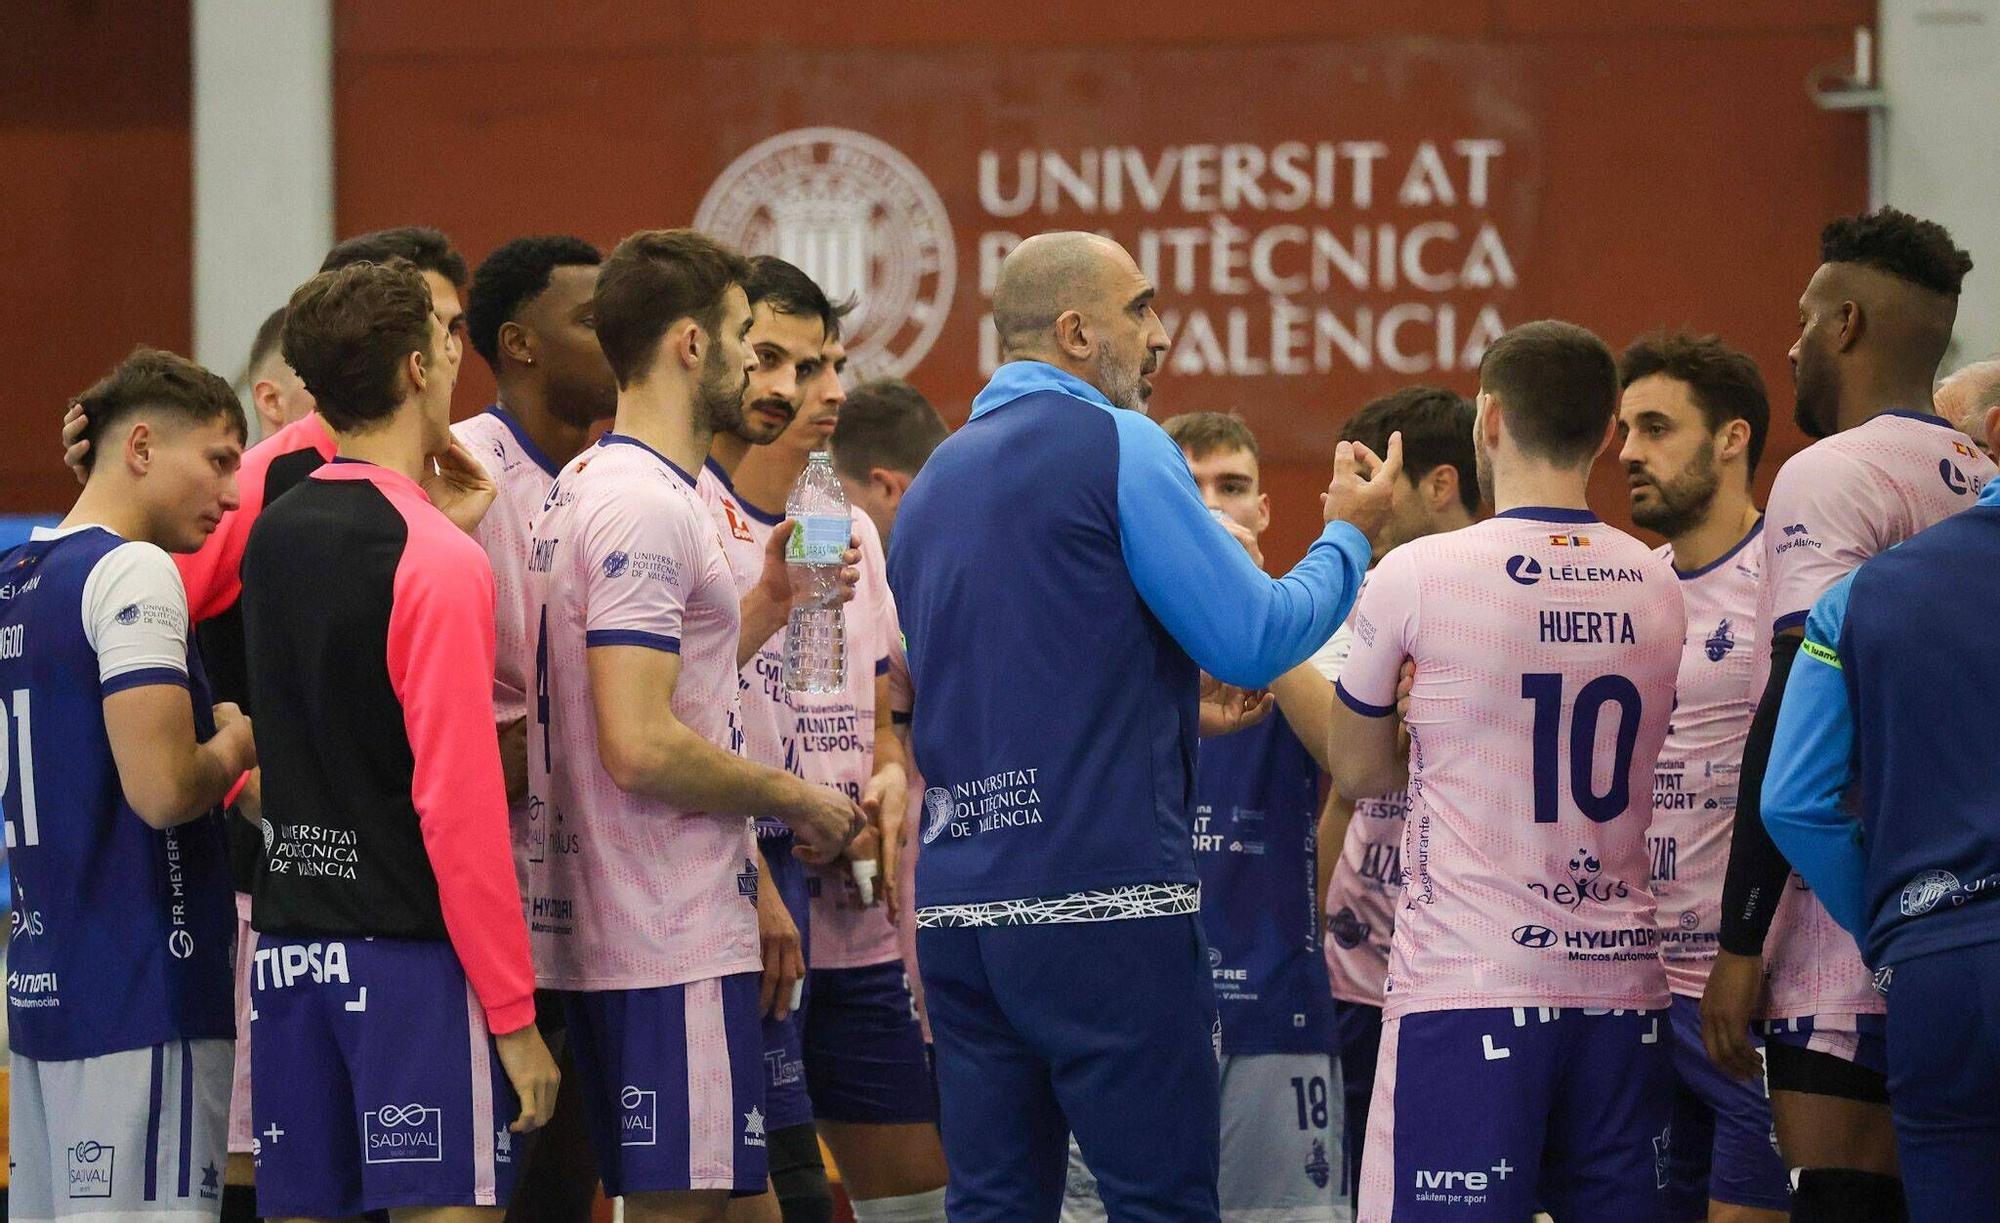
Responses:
[1073,334]
[264,400]
[1992,430]
[1849,322]
[1440,487]
[1610,436]
[1263,512]
[139,444]
[515,342]
[893,484]
[1735,439]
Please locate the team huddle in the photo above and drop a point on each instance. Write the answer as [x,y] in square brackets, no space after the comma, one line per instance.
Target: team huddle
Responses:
[1431,879]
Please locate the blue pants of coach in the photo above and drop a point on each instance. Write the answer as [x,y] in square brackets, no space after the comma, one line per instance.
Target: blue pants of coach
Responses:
[1101,1029]
[1944,1082]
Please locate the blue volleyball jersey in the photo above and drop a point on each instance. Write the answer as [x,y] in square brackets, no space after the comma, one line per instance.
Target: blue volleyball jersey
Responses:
[1884,790]
[1061,585]
[1256,816]
[121,934]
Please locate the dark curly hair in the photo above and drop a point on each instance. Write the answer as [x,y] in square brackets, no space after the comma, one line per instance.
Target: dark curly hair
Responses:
[511,277]
[1909,248]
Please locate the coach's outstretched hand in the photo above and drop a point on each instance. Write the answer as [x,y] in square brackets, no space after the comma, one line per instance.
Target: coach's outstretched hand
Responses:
[824,821]
[1362,485]
[533,1073]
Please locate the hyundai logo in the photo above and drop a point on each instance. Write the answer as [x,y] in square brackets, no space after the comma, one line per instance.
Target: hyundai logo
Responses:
[1534,936]
[1524,569]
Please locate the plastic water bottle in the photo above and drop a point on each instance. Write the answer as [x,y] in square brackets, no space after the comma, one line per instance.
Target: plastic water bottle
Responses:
[816,635]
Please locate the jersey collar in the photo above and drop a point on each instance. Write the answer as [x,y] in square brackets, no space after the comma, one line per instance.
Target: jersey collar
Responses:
[1017,378]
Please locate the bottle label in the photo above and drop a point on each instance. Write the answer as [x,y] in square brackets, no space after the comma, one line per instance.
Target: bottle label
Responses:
[818,539]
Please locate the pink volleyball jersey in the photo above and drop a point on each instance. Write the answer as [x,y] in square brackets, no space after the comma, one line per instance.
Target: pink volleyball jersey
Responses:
[522,474]
[1836,503]
[1694,786]
[1367,878]
[831,740]
[743,532]
[629,891]
[1546,645]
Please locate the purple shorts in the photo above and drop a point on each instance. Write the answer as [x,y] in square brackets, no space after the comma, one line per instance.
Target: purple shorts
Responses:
[1493,1114]
[1724,1149]
[672,1081]
[865,1056]
[786,1102]
[373,1080]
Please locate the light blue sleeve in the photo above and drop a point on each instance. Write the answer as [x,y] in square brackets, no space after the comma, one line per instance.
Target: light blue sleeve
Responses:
[1239,624]
[1812,766]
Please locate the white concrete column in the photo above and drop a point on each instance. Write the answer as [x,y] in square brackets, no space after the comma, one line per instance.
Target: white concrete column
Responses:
[263,164]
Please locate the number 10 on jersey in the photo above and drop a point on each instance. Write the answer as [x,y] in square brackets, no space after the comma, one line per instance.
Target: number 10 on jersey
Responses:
[1545,689]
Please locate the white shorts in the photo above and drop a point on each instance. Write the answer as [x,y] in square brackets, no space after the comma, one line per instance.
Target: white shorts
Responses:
[241,1141]
[132,1135]
[1282,1158]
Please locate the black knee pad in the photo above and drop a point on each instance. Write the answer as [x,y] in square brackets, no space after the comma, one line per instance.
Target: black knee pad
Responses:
[798,1175]
[239,1204]
[1845,1195]
[1810,1072]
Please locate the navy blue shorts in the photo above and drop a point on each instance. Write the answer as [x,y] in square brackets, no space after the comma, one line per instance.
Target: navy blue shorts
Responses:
[865,1056]
[786,1102]
[1724,1149]
[374,1084]
[1492,1114]
[672,1081]
[1105,1028]
[1358,1027]
[1944,1081]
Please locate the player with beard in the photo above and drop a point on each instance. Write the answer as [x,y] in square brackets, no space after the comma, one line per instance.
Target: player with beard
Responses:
[866,1068]
[789,318]
[1874,322]
[1058,900]
[1521,1062]
[645,912]
[1694,417]
[530,316]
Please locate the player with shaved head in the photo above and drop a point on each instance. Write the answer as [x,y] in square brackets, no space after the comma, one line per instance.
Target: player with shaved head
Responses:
[1057,896]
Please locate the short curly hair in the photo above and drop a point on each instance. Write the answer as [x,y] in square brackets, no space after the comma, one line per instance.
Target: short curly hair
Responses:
[1909,248]
[511,277]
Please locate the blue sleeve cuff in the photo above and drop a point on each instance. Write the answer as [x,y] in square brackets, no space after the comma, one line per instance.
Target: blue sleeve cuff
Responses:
[144,677]
[1360,706]
[622,636]
[1788,622]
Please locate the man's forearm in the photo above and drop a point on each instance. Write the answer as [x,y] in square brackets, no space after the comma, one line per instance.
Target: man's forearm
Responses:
[680,767]
[761,619]
[1306,699]
[1757,868]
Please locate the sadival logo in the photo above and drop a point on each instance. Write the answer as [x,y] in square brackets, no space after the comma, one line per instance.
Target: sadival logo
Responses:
[90,1169]
[638,1117]
[404,1134]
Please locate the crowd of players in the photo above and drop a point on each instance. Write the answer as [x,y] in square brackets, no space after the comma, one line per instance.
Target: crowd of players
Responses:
[1528,972]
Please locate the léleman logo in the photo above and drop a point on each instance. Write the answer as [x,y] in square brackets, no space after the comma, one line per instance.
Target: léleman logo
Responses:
[1953,478]
[1524,569]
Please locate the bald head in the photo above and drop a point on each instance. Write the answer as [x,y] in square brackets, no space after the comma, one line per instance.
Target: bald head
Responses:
[1964,397]
[1077,301]
[1051,274]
